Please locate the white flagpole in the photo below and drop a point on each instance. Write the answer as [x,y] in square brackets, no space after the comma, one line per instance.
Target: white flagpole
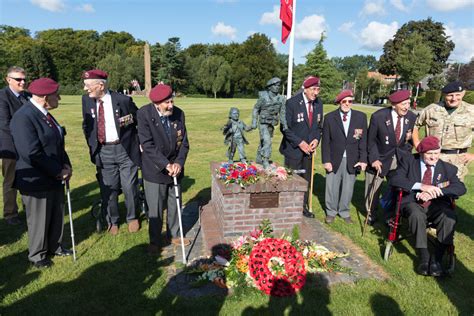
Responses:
[290,53]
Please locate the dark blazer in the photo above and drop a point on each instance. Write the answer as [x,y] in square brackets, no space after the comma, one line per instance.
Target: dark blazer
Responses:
[158,149]
[444,176]
[335,142]
[298,125]
[381,143]
[9,104]
[122,106]
[40,148]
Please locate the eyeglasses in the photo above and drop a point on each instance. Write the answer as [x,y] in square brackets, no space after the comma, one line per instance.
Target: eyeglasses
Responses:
[18,79]
[346,101]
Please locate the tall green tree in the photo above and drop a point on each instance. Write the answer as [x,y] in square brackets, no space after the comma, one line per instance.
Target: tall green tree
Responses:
[318,64]
[433,35]
[168,63]
[215,75]
[351,65]
[37,62]
[414,59]
[122,70]
[13,40]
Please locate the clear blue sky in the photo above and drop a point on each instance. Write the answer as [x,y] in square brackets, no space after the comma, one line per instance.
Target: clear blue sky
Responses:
[351,26]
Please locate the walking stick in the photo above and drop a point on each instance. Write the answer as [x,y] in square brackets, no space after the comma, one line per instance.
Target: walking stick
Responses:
[178,204]
[68,193]
[311,184]
[371,200]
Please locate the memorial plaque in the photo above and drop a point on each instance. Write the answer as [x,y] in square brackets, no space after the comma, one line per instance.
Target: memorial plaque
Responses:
[264,200]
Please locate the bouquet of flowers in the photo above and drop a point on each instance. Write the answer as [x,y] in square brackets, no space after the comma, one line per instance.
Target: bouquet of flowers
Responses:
[241,173]
[276,266]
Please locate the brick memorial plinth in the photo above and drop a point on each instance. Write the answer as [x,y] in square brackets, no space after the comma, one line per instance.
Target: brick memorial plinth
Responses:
[234,211]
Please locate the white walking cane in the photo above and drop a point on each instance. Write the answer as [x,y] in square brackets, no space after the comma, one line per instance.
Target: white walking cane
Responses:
[68,193]
[178,204]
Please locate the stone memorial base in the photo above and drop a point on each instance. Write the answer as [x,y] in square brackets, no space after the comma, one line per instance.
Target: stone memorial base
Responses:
[235,211]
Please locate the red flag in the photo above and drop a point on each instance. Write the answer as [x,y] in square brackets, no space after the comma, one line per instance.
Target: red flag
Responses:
[286,17]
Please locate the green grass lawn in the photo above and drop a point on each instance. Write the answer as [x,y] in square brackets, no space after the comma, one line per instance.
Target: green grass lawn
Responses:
[114,275]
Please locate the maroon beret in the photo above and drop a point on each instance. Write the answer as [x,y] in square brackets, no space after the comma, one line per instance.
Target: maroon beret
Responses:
[160,93]
[311,81]
[95,74]
[399,96]
[43,86]
[428,143]
[343,94]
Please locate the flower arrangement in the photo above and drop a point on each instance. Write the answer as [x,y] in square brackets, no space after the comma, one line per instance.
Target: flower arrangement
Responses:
[276,266]
[245,174]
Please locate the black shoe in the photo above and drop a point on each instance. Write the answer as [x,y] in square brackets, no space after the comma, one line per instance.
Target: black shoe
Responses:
[63,252]
[308,214]
[42,264]
[13,221]
[329,219]
[423,268]
[371,220]
[435,269]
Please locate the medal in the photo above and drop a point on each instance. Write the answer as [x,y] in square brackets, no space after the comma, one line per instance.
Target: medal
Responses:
[386,140]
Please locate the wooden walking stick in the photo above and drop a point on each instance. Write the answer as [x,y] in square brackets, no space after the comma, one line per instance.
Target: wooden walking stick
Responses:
[371,200]
[310,195]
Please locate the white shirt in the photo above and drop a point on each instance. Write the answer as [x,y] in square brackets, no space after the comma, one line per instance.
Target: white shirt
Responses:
[111,134]
[345,125]
[417,185]
[395,119]
[306,103]
[45,112]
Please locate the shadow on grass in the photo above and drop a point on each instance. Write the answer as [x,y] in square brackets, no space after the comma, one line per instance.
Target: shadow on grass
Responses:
[382,305]
[10,234]
[110,287]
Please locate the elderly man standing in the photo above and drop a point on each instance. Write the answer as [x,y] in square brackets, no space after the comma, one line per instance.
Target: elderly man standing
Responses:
[431,184]
[452,121]
[41,169]
[12,98]
[109,124]
[163,136]
[389,136]
[304,116]
[344,154]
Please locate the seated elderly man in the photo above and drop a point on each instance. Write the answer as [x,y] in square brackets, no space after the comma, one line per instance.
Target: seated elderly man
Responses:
[431,184]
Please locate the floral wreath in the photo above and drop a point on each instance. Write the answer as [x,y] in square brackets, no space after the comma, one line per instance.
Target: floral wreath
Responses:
[277,267]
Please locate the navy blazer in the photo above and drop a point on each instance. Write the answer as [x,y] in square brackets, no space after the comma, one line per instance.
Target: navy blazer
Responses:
[381,143]
[298,126]
[444,176]
[9,104]
[122,106]
[335,142]
[158,149]
[40,148]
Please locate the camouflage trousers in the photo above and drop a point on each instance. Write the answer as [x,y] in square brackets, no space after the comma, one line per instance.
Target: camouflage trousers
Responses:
[456,159]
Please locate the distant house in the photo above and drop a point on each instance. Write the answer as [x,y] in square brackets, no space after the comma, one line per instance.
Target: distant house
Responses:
[391,81]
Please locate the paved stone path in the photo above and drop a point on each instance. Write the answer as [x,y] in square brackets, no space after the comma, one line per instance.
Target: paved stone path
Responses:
[312,229]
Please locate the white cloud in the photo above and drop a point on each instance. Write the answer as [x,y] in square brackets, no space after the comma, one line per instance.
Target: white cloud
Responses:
[346,27]
[50,5]
[375,34]
[311,27]
[220,29]
[271,17]
[86,7]
[443,5]
[462,38]
[373,7]
[274,42]
[399,5]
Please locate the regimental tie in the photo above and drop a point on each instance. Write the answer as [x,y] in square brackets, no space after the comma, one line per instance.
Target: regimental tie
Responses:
[101,123]
[53,124]
[344,116]
[310,113]
[166,125]
[398,129]
[427,180]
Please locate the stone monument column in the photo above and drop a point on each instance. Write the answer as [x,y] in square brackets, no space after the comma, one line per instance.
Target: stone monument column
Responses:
[147,69]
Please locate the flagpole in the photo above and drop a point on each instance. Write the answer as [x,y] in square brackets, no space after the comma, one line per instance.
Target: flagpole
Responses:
[290,53]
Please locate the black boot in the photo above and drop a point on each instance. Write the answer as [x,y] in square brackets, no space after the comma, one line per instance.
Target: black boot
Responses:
[424,266]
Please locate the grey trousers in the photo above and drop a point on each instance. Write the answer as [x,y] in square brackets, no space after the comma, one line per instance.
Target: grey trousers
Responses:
[45,219]
[264,150]
[372,188]
[118,172]
[158,197]
[338,198]
[10,208]
[442,216]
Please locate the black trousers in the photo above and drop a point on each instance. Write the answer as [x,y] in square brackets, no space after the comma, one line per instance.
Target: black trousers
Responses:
[441,215]
[303,163]
[45,219]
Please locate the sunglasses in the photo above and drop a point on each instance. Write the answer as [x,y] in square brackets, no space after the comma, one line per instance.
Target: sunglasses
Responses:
[346,101]
[18,79]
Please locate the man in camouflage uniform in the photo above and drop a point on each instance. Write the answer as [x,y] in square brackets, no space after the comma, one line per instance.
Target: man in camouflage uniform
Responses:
[452,121]
[268,111]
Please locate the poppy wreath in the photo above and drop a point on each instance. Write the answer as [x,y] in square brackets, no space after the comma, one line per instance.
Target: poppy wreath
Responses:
[292,278]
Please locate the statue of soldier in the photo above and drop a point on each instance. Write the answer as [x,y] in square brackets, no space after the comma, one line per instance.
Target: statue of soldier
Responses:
[268,111]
